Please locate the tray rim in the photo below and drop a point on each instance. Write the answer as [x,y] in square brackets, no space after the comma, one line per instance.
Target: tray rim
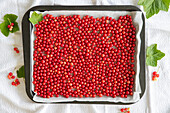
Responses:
[25,25]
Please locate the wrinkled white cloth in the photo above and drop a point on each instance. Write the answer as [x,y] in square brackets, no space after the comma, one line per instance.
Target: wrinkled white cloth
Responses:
[15,100]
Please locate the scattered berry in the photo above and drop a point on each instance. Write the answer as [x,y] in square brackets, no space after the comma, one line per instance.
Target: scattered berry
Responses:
[16,49]
[122,110]
[15,82]
[154,78]
[10,75]
[125,110]
[155,75]
[128,109]
[13,77]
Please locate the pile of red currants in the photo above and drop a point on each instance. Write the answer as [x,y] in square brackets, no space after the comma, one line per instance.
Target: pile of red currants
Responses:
[84,57]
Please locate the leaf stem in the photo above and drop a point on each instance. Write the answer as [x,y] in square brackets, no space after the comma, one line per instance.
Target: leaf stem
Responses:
[158,69]
[9,21]
[16,45]
[14,70]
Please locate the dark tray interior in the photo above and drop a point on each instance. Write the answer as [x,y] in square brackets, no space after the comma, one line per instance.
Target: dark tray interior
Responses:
[26,28]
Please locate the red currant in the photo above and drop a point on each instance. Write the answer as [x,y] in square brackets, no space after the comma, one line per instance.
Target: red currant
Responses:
[12,24]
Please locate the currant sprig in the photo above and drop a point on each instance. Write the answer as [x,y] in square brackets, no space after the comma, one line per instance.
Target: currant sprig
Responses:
[9,25]
[11,76]
[16,82]
[155,75]
[16,49]
[125,110]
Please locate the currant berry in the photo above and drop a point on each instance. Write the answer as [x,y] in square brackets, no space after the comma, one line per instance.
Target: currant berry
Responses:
[17,51]
[9,26]
[15,48]
[12,24]
[157,75]
[154,73]
[9,77]
[122,110]
[13,83]
[12,77]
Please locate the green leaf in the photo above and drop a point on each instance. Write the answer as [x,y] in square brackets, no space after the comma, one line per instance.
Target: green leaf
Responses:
[141,2]
[151,61]
[4,28]
[151,49]
[152,55]
[159,55]
[11,17]
[152,7]
[15,27]
[35,18]
[0,26]
[21,72]
[8,19]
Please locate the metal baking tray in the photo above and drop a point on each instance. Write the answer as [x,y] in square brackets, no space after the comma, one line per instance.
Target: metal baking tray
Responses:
[26,29]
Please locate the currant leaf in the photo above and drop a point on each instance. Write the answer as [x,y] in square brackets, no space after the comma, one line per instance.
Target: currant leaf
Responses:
[4,28]
[153,55]
[35,18]
[152,7]
[21,72]
[11,17]
[8,19]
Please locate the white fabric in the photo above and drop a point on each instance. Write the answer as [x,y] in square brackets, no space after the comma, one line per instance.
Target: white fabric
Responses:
[15,100]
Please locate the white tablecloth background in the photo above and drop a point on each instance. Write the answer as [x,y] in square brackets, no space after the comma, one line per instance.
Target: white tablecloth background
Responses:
[15,100]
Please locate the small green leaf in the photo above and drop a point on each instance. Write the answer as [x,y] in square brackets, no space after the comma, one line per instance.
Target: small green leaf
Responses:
[11,17]
[35,18]
[15,27]
[4,28]
[152,55]
[21,72]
